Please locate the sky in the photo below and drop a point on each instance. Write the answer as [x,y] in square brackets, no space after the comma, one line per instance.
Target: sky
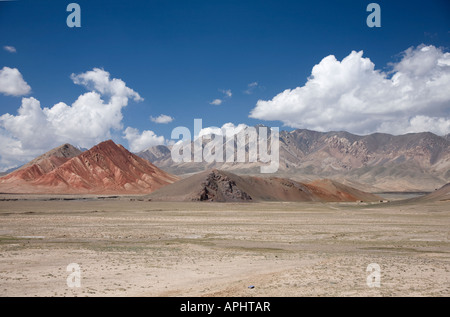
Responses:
[135,70]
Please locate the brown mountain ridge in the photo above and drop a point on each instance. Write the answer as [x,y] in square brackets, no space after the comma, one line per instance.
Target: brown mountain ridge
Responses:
[442,194]
[222,186]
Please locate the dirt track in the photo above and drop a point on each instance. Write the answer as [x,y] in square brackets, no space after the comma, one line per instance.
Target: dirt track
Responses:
[141,248]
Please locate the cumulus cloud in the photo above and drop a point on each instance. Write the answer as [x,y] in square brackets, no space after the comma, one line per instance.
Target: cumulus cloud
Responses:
[229,128]
[216,102]
[98,80]
[141,141]
[162,119]
[92,118]
[419,123]
[10,49]
[12,82]
[352,95]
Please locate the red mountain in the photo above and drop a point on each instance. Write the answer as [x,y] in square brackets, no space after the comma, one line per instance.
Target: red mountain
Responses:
[41,165]
[105,168]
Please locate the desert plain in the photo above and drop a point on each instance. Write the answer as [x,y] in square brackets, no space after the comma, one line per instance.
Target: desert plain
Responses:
[129,246]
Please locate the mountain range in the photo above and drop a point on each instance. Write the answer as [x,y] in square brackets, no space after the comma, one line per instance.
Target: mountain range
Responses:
[375,162]
[108,168]
[105,168]
[372,163]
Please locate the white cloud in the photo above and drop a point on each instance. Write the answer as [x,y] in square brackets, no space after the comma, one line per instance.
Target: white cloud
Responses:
[230,127]
[227,92]
[12,153]
[12,83]
[209,131]
[141,141]
[88,121]
[10,49]
[439,126]
[162,119]
[216,102]
[251,88]
[352,95]
[98,79]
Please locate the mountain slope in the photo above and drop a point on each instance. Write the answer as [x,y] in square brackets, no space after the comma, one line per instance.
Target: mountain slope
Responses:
[221,186]
[44,163]
[442,194]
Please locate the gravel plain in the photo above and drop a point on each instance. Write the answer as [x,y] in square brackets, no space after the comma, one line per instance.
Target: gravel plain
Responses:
[128,246]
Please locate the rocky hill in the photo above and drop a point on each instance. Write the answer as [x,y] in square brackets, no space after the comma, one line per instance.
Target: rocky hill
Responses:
[222,186]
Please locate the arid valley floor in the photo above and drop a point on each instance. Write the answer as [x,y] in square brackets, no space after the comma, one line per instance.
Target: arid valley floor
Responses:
[127,246]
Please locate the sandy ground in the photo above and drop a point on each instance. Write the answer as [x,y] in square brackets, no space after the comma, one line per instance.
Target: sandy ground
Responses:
[142,248]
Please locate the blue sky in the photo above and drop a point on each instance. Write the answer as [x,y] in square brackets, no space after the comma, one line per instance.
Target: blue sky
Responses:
[179,56]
